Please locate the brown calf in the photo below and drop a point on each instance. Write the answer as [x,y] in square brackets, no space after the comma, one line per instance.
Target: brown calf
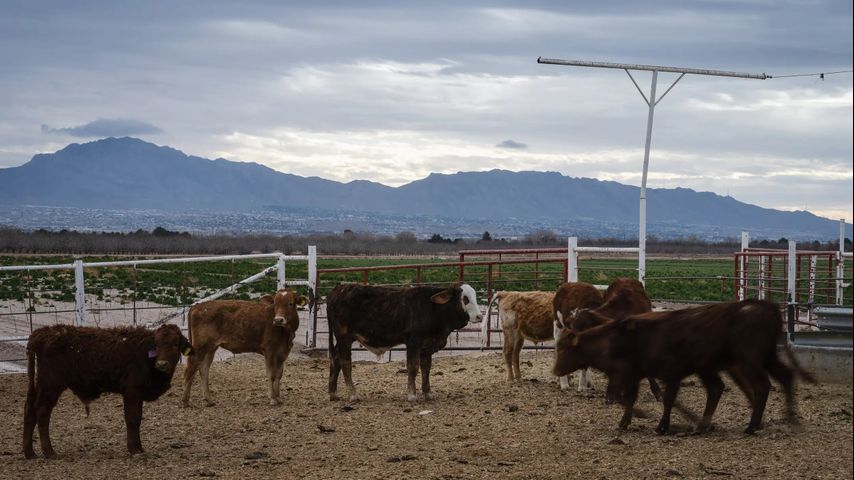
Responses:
[739,337]
[133,362]
[266,326]
[523,316]
[571,296]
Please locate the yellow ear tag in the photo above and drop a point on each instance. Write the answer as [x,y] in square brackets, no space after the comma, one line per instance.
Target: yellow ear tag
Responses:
[302,301]
[574,341]
[187,350]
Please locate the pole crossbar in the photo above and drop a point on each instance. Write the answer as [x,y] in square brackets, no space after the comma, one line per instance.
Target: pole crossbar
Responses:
[651,68]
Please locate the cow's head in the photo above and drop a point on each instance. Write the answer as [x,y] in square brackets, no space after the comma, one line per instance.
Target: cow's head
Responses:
[169,344]
[467,298]
[285,303]
[567,356]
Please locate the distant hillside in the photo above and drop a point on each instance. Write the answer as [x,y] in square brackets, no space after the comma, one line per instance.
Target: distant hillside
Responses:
[128,173]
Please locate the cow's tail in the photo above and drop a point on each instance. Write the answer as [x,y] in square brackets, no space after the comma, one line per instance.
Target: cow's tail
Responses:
[807,376]
[331,336]
[31,379]
[484,326]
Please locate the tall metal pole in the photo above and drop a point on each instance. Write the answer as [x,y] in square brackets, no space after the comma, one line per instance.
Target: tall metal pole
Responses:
[651,101]
[642,220]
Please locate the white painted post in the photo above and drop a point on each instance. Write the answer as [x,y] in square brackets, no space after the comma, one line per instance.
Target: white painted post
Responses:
[280,273]
[642,219]
[572,260]
[762,277]
[813,263]
[312,285]
[742,266]
[79,294]
[793,272]
[840,262]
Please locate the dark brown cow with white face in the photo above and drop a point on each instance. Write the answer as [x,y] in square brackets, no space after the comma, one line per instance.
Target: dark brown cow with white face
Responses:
[380,318]
[266,326]
[739,337]
[134,362]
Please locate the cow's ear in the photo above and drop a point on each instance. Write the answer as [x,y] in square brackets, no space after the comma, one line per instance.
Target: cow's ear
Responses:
[186,347]
[443,297]
[302,300]
[267,298]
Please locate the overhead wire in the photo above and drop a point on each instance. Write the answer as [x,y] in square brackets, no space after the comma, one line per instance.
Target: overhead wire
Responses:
[821,75]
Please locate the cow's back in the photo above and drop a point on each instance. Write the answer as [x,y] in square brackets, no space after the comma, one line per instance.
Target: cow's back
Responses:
[573,295]
[625,297]
[236,325]
[528,312]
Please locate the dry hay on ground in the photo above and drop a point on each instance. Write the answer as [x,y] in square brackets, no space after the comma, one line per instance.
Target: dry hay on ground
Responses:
[479,426]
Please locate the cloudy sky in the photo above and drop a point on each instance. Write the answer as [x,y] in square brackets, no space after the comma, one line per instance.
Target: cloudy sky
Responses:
[391,91]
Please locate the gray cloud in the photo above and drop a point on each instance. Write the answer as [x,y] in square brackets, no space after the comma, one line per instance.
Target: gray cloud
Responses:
[105,127]
[512,144]
[312,87]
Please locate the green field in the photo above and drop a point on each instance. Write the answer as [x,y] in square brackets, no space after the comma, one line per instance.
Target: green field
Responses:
[689,280]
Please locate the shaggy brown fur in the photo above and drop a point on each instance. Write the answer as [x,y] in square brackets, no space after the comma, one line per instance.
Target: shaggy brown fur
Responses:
[266,326]
[131,361]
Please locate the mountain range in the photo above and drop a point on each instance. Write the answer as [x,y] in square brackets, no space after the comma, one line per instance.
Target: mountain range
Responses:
[128,173]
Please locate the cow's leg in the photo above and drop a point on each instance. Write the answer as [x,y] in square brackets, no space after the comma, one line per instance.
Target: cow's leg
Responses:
[345,354]
[275,368]
[671,388]
[517,350]
[334,370]
[133,420]
[508,353]
[45,402]
[189,373]
[412,358]
[757,378]
[564,382]
[204,370]
[784,375]
[655,389]
[30,420]
[714,389]
[629,396]
[585,380]
[426,364]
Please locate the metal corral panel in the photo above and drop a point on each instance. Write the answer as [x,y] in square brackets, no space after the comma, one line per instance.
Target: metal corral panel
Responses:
[835,318]
[823,339]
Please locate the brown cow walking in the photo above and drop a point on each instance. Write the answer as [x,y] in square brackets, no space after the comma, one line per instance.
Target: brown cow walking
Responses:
[266,326]
[134,362]
[568,298]
[739,337]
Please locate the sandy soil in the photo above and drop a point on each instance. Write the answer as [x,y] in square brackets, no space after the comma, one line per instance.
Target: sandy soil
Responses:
[478,426]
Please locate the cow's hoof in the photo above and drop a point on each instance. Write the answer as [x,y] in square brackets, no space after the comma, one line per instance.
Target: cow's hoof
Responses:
[334,397]
[428,396]
[412,397]
[661,430]
[705,428]
[29,454]
[750,430]
[274,402]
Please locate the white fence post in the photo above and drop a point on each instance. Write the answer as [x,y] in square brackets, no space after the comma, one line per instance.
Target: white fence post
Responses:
[840,262]
[813,264]
[742,266]
[312,285]
[793,272]
[762,277]
[572,260]
[280,274]
[79,294]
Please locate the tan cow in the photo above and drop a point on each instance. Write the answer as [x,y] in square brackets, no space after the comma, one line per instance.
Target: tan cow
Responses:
[266,326]
[523,316]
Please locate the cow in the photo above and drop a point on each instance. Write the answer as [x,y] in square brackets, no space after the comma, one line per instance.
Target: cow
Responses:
[134,362]
[266,326]
[568,298]
[421,318]
[523,316]
[739,337]
[624,297]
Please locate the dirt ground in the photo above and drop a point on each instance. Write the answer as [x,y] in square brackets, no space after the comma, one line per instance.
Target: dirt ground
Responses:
[478,426]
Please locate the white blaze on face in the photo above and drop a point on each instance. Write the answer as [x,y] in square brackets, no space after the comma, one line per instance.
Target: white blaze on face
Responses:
[469,301]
